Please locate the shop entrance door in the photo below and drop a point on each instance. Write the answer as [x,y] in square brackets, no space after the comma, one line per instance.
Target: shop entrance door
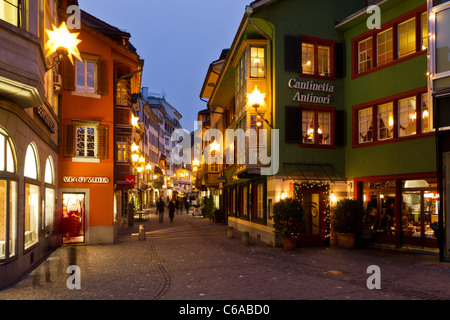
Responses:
[74,218]
[314,221]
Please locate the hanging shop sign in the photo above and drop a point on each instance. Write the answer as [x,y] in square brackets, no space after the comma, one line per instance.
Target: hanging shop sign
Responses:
[45,117]
[93,180]
[316,96]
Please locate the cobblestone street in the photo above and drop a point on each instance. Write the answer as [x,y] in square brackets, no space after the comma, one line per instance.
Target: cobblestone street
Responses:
[193,259]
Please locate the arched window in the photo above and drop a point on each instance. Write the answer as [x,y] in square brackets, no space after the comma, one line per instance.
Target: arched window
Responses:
[8,197]
[50,196]
[49,173]
[31,163]
[32,197]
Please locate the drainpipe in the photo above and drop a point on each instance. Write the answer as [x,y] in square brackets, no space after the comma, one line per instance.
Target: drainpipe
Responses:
[249,10]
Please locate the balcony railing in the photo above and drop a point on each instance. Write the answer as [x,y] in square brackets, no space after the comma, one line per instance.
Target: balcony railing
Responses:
[123,116]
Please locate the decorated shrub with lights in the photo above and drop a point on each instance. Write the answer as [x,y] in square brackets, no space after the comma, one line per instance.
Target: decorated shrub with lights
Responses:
[348,217]
[288,218]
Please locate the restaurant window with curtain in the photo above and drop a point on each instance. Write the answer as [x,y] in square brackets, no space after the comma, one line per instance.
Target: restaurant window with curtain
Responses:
[8,198]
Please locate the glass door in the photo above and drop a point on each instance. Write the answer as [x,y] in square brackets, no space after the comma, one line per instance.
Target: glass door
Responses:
[419,212]
[73,218]
[314,220]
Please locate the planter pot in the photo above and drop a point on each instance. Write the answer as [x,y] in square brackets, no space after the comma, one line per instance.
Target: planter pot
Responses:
[289,243]
[346,240]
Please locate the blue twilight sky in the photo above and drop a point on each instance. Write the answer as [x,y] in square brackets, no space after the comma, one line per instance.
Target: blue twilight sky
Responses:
[178,39]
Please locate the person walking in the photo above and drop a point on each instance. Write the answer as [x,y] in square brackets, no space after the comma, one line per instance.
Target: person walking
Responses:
[171,210]
[187,204]
[178,205]
[160,207]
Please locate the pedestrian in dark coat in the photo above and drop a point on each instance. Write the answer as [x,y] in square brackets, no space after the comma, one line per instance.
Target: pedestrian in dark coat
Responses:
[171,210]
[160,206]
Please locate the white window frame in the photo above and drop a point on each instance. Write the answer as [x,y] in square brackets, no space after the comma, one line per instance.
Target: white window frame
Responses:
[364,53]
[411,38]
[384,43]
[80,158]
[360,122]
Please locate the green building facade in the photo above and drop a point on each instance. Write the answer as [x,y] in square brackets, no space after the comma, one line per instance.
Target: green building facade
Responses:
[323,83]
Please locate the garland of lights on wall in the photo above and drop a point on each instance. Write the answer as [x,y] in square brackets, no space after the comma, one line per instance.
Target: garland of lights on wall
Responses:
[324,205]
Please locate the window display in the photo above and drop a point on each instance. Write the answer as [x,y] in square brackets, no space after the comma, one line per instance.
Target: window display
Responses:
[32,200]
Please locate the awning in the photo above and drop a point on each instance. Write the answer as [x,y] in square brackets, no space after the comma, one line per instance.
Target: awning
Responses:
[310,172]
[179,189]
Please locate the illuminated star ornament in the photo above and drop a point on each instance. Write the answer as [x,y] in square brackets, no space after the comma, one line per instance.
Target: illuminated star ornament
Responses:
[256,98]
[62,41]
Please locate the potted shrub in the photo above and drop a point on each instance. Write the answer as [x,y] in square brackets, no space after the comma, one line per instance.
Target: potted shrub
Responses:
[288,218]
[347,221]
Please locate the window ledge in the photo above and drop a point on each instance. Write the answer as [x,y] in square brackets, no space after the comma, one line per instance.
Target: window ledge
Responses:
[86,95]
[86,160]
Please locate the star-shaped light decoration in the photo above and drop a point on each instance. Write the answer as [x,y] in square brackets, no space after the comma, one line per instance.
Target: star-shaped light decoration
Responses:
[62,41]
[256,98]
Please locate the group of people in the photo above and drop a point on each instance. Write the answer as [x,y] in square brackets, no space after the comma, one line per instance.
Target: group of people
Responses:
[176,204]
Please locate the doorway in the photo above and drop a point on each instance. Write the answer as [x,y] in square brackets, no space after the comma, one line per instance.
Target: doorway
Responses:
[313,201]
[74,218]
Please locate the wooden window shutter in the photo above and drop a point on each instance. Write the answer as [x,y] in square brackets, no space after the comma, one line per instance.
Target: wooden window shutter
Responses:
[68,75]
[102,77]
[69,140]
[293,124]
[102,142]
[293,54]
[339,60]
[339,128]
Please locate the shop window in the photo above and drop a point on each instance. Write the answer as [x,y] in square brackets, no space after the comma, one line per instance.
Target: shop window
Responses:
[8,198]
[385,48]
[407,113]
[32,200]
[50,197]
[420,209]
[406,37]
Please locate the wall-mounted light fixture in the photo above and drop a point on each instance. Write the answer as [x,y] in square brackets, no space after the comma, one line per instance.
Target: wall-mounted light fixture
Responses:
[62,42]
